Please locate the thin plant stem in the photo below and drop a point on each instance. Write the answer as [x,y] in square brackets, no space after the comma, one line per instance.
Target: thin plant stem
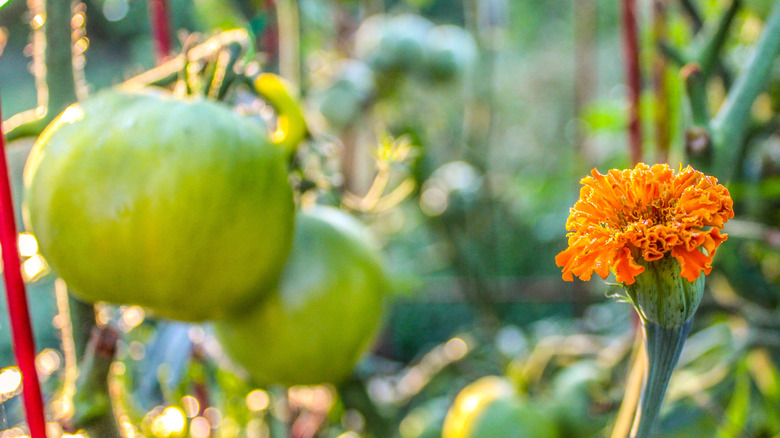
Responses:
[693,14]
[633,78]
[18,310]
[660,86]
[159,18]
[58,73]
[711,43]
[289,41]
[663,347]
[93,410]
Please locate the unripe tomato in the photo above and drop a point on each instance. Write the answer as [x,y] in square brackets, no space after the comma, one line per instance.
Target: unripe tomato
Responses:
[450,52]
[393,44]
[179,206]
[326,312]
[351,89]
[489,408]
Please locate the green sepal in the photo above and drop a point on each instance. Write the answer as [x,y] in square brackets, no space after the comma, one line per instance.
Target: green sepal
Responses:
[662,296]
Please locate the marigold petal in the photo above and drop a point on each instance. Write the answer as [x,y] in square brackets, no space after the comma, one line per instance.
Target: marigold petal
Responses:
[692,263]
[648,212]
[626,267]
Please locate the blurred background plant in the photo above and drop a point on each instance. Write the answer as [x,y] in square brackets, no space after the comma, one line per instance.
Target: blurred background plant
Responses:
[458,132]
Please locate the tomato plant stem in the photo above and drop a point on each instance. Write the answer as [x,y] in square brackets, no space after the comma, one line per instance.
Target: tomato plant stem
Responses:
[729,125]
[161,28]
[19,314]
[633,78]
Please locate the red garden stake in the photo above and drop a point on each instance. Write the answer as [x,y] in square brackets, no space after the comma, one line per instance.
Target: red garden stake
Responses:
[23,341]
[161,28]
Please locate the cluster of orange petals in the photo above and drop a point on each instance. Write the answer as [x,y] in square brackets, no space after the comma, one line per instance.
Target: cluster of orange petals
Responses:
[645,212]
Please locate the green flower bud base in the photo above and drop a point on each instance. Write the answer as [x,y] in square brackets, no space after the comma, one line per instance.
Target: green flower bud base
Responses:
[662,296]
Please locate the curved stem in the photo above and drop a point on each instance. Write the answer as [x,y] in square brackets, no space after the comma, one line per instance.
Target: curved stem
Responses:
[663,346]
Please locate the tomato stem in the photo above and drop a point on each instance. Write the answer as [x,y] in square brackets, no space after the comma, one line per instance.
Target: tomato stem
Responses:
[18,310]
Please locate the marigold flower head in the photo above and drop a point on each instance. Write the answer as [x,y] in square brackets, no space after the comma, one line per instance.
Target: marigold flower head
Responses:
[648,212]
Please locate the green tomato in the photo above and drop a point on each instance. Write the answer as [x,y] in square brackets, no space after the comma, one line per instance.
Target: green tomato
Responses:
[450,52]
[179,206]
[353,86]
[326,312]
[394,44]
[490,408]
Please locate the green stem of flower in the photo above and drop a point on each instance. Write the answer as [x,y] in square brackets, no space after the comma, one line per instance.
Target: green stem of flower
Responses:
[729,125]
[663,346]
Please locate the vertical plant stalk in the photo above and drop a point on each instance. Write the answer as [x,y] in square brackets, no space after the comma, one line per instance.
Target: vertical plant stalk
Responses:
[19,313]
[633,78]
[663,346]
[93,410]
[289,41]
[729,125]
[660,86]
[159,19]
[59,80]
[53,68]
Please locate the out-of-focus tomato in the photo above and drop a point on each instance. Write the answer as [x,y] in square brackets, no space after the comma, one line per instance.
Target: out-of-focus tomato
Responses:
[327,310]
[490,408]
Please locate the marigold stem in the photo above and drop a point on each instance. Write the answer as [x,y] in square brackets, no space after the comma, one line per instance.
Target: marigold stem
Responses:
[663,346]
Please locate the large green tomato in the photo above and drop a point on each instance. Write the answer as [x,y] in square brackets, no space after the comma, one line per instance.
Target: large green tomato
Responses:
[180,206]
[327,310]
[489,408]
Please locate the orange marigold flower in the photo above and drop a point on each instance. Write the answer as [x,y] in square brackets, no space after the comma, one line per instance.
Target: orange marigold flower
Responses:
[648,213]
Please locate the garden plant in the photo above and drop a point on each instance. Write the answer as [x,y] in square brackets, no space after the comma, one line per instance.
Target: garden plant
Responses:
[362,218]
